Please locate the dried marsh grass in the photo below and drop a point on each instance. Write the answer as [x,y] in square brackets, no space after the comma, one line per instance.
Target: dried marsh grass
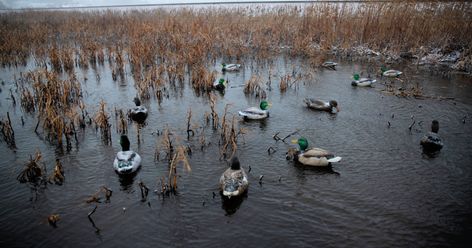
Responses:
[191,37]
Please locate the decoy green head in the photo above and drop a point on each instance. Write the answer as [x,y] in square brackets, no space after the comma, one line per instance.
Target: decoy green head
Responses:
[383,68]
[221,82]
[264,105]
[223,64]
[302,143]
[356,76]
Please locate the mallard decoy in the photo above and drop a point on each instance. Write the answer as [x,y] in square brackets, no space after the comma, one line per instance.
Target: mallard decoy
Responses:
[431,142]
[311,156]
[330,65]
[331,106]
[362,82]
[138,113]
[126,161]
[230,67]
[254,113]
[234,181]
[221,84]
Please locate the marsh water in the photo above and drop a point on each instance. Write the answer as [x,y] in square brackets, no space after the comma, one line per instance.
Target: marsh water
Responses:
[384,193]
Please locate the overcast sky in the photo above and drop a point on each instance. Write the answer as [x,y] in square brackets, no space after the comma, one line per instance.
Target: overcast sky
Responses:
[20,4]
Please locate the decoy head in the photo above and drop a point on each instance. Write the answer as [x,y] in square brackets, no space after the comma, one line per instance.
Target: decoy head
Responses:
[223,65]
[356,76]
[221,82]
[302,143]
[137,101]
[235,164]
[264,105]
[124,142]
[334,105]
[435,126]
[291,154]
[383,68]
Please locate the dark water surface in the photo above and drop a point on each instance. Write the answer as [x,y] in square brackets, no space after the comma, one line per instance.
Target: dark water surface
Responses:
[384,192]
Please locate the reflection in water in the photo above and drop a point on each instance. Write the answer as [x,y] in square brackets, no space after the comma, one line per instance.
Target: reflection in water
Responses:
[126,180]
[316,170]
[429,154]
[231,205]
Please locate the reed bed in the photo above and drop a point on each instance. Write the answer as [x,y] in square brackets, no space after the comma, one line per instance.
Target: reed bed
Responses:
[102,121]
[191,37]
[54,99]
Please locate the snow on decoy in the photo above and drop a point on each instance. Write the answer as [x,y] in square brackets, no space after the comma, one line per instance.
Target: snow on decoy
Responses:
[126,161]
[234,182]
[431,142]
[311,156]
[256,113]
[138,113]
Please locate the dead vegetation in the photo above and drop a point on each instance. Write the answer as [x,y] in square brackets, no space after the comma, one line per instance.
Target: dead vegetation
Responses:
[102,122]
[190,39]
[255,86]
[7,132]
[34,172]
[57,176]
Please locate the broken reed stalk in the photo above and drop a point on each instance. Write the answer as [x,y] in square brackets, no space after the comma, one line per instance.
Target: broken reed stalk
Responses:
[180,157]
[122,126]
[189,130]
[230,141]
[166,145]
[254,86]
[144,191]
[58,175]
[214,115]
[202,139]
[7,132]
[224,125]
[96,196]
[102,121]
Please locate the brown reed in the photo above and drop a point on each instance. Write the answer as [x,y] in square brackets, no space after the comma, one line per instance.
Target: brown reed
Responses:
[7,131]
[179,157]
[102,121]
[254,86]
[196,36]
[33,172]
[58,175]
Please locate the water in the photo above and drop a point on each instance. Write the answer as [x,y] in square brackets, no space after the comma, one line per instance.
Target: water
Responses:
[384,193]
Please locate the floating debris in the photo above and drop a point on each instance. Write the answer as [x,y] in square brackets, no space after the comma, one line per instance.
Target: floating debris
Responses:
[53,219]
